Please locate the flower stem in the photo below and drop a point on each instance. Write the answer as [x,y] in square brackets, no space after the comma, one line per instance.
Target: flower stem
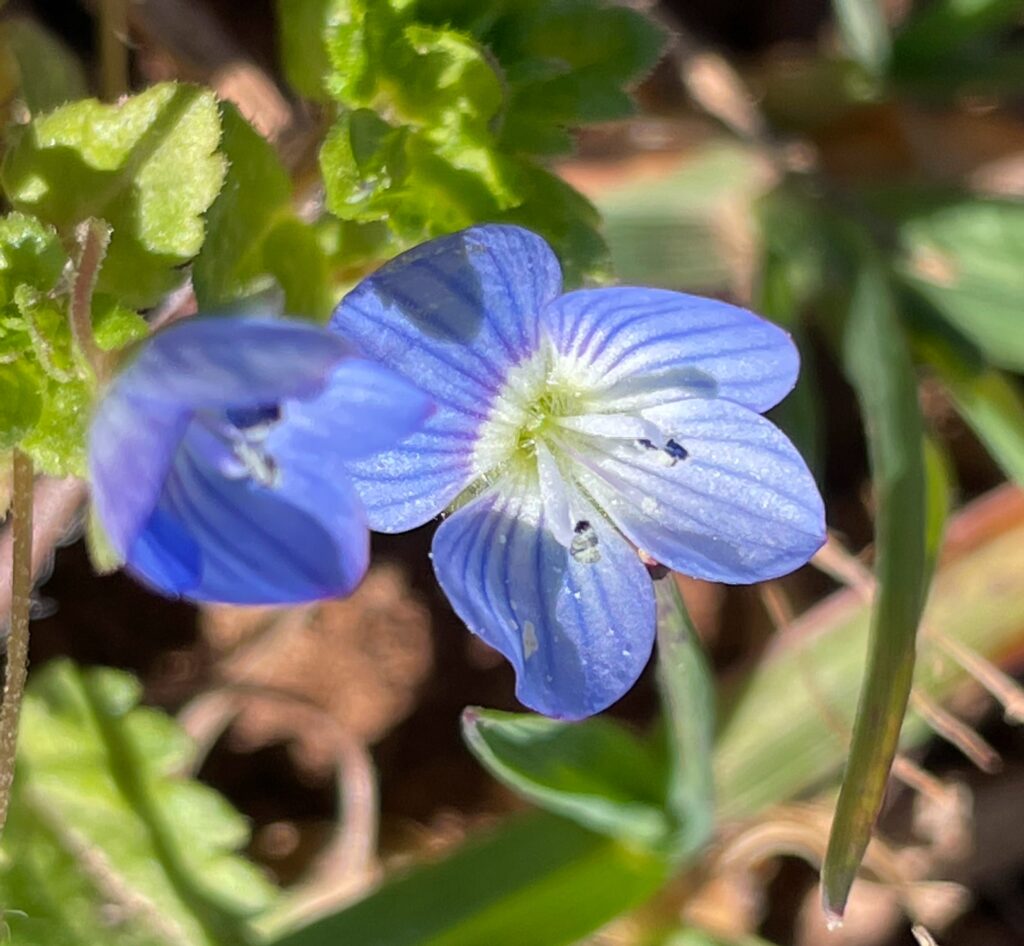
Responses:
[17,638]
[93,239]
[688,701]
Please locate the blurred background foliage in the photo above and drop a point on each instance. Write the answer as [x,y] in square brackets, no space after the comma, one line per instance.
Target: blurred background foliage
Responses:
[853,170]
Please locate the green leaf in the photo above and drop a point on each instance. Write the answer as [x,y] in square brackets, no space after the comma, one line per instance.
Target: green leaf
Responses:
[20,403]
[567,63]
[30,254]
[47,73]
[149,166]
[538,880]
[993,406]
[302,29]
[101,827]
[688,700]
[878,365]
[594,772]
[254,238]
[865,32]
[939,28]
[964,259]
[567,220]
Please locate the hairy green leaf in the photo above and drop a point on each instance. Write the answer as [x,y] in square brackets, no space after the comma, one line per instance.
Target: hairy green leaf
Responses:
[149,166]
[105,842]
[20,403]
[30,254]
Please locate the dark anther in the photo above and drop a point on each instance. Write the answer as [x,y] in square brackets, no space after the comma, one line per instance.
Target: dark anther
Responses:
[644,442]
[246,418]
[676,451]
[657,571]
[584,544]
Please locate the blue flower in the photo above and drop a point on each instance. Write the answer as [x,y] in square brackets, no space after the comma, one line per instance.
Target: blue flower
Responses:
[577,435]
[217,459]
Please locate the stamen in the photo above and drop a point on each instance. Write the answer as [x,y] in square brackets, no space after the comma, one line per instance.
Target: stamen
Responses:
[664,456]
[257,464]
[584,547]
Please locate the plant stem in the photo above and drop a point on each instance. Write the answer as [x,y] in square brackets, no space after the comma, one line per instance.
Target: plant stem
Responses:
[113,30]
[17,638]
[93,238]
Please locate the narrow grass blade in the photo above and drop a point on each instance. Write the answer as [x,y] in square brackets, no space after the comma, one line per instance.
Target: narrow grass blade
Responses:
[879,367]
[539,880]
[865,32]
[688,700]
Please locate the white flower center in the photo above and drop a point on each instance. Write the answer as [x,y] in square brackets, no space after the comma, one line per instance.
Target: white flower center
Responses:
[545,425]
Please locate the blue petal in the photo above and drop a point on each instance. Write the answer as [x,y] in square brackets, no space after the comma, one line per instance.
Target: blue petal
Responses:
[578,635]
[453,314]
[232,362]
[131,447]
[740,507]
[364,409]
[646,346]
[214,538]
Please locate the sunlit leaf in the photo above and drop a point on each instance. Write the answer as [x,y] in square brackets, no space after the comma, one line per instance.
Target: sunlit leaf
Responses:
[149,166]
[593,772]
[105,843]
[20,403]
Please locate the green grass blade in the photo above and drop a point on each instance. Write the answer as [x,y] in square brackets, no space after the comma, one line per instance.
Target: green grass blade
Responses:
[879,367]
[688,698]
[539,880]
[865,32]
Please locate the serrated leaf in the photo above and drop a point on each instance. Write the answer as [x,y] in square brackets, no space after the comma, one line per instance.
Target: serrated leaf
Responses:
[20,403]
[878,365]
[149,166]
[594,772]
[102,829]
[253,236]
[30,254]
[964,258]
[47,73]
